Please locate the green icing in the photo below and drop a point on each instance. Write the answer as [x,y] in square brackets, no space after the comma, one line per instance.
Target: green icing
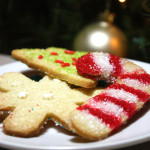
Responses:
[67,58]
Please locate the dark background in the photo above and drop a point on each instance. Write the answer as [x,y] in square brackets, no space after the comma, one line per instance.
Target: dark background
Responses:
[44,23]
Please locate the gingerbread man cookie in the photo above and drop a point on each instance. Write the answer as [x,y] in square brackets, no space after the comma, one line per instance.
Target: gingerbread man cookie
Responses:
[31,103]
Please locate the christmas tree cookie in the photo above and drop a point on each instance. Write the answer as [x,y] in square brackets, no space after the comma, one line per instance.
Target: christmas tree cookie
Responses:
[55,62]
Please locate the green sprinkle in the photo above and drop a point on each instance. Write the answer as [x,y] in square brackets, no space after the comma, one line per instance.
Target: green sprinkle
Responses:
[50,59]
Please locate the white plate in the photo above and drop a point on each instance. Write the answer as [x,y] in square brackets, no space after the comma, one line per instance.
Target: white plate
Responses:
[58,138]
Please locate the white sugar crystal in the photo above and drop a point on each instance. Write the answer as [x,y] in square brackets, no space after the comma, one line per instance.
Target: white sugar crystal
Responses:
[22,94]
[15,84]
[123,95]
[93,123]
[56,80]
[47,96]
[58,124]
[133,83]
[108,107]
[102,60]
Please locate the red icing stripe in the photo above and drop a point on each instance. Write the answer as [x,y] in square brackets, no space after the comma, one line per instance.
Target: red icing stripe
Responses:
[143,96]
[143,78]
[128,107]
[116,63]
[111,120]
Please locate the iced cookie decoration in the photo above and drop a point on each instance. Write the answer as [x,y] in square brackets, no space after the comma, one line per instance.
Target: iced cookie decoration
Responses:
[106,112]
[56,62]
[31,103]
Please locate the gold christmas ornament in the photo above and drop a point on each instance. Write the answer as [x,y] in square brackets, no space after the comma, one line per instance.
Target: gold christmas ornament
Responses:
[102,36]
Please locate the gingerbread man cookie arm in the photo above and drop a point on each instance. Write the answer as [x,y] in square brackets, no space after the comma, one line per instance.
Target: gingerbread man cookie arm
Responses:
[107,111]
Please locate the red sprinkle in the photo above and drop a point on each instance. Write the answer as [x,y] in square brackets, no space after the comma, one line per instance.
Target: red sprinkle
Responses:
[74,63]
[40,57]
[54,53]
[69,52]
[74,59]
[59,61]
[65,64]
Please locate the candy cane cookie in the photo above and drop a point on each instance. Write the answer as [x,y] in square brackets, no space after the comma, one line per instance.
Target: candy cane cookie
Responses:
[106,112]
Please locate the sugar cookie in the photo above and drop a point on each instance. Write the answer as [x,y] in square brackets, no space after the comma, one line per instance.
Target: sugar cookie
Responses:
[31,103]
[56,62]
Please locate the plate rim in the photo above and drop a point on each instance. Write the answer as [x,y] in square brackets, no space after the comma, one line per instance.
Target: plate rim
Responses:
[120,144]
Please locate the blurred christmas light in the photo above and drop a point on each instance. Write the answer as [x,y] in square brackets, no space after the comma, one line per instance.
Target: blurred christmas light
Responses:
[122,1]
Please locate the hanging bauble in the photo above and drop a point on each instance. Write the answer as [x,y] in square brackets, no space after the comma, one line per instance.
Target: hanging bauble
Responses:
[102,36]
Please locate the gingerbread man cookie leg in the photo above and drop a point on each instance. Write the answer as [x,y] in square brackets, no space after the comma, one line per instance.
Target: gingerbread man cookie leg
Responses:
[107,111]
[31,103]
